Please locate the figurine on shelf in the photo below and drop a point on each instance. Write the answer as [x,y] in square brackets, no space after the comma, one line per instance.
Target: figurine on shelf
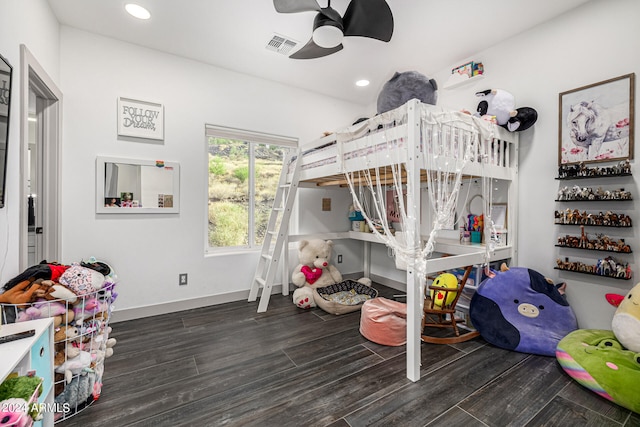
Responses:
[581,171]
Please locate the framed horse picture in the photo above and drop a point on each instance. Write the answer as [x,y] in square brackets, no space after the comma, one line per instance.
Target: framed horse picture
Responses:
[596,122]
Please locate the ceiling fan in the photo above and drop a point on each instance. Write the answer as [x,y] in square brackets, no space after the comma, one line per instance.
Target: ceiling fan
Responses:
[364,18]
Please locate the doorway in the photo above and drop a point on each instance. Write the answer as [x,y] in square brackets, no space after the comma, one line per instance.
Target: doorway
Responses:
[39,172]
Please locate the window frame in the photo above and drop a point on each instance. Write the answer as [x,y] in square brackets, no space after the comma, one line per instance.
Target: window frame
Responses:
[251,138]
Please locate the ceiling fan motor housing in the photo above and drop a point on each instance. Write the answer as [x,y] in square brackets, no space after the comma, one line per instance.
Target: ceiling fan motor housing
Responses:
[327,32]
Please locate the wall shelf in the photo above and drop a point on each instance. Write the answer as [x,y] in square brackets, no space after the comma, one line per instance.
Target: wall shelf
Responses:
[570,178]
[594,225]
[592,274]
[608,267]
[596,250]
[594,200]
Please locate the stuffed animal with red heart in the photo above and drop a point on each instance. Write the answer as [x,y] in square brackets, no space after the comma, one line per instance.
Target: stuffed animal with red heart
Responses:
[311,274]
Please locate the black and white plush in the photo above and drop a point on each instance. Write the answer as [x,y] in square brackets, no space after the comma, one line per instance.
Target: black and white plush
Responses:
[405,86]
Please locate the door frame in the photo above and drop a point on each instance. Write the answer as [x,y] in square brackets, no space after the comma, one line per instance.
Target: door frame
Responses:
[33,76]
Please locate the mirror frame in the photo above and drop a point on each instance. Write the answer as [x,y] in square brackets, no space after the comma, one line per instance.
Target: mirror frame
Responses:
[101,162]
[4,158]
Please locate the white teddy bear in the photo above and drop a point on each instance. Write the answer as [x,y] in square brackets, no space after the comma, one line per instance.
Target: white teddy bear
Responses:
[315,271]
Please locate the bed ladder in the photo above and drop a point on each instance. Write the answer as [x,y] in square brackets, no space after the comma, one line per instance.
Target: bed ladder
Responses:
[279,227]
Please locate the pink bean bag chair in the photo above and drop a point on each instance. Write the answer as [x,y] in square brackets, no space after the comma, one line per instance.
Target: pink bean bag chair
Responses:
[384,321]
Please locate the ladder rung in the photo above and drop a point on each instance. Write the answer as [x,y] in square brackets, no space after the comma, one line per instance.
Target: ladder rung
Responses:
[267,256]
[278,209]
[261,281]
[285,185]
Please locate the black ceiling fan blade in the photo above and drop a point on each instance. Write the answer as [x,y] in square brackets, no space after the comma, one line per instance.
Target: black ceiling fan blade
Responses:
[368,18]
[312,50]
[295,6]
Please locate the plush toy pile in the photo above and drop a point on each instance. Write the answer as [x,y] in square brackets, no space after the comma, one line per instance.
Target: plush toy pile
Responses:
[607,362]
[79,297]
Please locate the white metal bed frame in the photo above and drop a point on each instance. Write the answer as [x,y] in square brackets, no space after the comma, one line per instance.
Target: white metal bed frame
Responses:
[326,160]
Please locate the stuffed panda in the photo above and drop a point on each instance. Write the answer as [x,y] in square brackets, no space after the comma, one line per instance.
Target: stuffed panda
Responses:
[502,105]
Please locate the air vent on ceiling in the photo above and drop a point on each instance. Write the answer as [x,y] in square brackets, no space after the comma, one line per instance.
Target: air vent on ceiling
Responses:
[281,44]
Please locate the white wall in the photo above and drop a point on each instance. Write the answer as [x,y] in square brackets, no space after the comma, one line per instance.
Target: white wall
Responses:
[28,22]
[149,251]
[592,43]
[595,42]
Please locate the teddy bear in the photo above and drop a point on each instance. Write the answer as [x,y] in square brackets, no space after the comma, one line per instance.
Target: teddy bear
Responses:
[315,271]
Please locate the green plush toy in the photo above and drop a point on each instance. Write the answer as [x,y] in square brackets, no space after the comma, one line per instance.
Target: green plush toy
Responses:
[597,360]
[20,387]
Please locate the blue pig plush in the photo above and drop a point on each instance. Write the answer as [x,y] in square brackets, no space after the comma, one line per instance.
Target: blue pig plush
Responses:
[520,310]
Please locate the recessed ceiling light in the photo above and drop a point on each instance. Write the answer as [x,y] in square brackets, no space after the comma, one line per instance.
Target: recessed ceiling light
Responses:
[137,11]
[362,83]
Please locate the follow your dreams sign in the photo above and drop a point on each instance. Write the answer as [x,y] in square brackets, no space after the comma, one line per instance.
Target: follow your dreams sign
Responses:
[140,119]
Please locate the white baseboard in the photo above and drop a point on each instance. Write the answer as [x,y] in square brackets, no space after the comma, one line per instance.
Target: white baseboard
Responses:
[174,306]
[400,286]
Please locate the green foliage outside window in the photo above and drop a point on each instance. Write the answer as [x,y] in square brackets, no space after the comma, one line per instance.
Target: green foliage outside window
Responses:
[229,192]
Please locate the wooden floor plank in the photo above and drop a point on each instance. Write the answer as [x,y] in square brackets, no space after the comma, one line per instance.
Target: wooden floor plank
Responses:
[561,412]
[229,365]
[456,417]
[518,395]
[256,401]
[421,402]
[580,395]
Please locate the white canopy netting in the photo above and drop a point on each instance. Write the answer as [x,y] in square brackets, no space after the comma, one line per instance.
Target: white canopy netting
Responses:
[383,194]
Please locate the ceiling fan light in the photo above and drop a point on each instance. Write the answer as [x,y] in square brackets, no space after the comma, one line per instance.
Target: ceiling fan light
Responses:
[327,31]
[327,36]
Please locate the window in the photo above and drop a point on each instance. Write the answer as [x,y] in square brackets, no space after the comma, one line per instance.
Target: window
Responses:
[244,170]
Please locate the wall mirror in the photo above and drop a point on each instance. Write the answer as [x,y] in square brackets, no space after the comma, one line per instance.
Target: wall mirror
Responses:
[137,186]
[5,104]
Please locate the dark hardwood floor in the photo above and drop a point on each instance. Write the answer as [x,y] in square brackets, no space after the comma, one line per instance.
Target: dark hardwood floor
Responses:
[227,365]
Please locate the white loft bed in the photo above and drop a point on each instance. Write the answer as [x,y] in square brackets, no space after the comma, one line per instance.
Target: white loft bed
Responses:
[325,161]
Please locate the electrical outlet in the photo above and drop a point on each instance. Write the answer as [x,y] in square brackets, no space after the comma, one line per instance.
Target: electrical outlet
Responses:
[340,259]
[182,279]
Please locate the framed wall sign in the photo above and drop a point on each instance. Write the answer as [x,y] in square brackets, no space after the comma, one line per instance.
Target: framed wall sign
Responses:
[596,122]
[140,119]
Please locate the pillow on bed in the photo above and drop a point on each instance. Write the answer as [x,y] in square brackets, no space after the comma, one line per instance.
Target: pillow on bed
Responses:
[519,310]
[343,297]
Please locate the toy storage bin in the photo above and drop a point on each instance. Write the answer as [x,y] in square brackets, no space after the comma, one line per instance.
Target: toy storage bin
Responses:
[81,344]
